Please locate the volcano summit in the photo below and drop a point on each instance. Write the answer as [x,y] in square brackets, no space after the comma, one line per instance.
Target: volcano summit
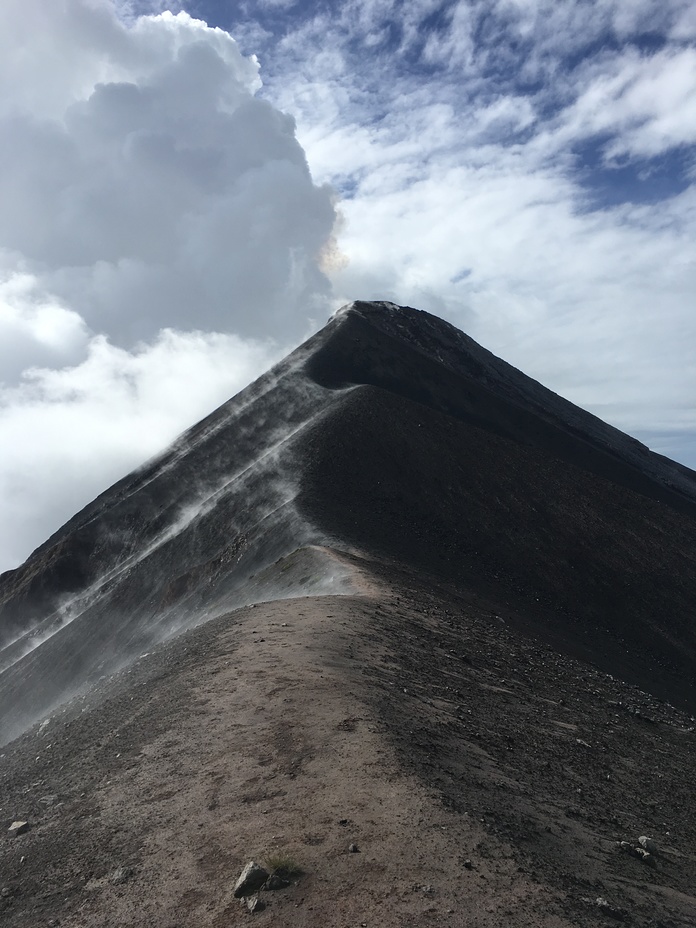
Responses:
[395,591]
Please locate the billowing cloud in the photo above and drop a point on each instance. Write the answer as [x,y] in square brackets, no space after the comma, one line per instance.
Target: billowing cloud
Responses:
[69,433]
[148,195]
[35,328]
[152,187]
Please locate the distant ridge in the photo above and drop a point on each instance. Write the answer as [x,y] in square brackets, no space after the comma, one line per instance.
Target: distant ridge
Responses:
[395,436]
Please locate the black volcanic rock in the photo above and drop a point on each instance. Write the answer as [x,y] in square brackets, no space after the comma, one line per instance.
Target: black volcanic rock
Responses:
[390,433]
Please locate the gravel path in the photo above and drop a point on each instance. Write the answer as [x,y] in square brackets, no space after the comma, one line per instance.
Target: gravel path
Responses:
[484,779]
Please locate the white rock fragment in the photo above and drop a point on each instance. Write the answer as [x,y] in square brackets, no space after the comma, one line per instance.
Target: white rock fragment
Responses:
[121,875]
[648,844]
[254,904]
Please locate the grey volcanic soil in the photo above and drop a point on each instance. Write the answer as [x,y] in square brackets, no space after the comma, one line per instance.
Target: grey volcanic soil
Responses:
[409,720]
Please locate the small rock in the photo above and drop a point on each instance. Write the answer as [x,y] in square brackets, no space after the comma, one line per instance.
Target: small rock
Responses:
[353,848]
[609,909]
[640,853]
[627,848]
[648,844]
[468,865]
[6,892]
[18,828]
[254,904]
[120,875]
[276,881]
[251,879]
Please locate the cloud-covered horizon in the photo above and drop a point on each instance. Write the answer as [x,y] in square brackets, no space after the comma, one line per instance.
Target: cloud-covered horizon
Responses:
[169,223]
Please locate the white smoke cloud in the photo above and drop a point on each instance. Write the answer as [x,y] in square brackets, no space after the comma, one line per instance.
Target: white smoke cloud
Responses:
[146,196]
[35,328]
[68,434]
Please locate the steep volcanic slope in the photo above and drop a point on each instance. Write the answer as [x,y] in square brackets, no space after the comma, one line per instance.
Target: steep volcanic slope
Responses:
[164,549]
[424,359]
[607,574]
[450,461]
[391,433]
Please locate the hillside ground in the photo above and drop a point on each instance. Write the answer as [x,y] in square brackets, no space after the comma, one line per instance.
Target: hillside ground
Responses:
[484,778]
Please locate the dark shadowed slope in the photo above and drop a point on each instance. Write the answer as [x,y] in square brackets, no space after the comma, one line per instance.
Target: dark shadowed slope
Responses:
[393,434]
[451,461]
[427,360]
[604,572]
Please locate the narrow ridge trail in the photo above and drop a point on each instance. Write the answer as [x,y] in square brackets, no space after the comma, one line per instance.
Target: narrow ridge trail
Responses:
[468,763]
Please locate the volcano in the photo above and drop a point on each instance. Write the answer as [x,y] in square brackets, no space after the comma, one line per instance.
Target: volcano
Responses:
[395,596]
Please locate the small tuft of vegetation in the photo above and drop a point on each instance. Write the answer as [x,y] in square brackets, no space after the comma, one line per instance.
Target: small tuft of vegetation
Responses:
[283,864]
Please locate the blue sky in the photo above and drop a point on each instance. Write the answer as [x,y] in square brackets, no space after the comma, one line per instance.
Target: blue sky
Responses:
[189,190]
[525,168]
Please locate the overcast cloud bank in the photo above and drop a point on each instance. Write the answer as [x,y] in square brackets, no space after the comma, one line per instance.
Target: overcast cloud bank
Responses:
[161,242]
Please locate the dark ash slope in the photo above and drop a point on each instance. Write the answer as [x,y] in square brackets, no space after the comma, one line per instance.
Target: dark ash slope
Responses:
[392,433]
[450,461]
